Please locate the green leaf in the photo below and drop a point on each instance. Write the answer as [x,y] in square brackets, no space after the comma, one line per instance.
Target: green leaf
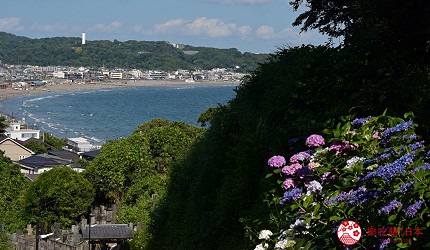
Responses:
[335,218]
[392,217]
[268,175]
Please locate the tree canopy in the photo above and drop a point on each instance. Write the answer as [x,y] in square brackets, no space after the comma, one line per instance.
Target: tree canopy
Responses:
[59,195]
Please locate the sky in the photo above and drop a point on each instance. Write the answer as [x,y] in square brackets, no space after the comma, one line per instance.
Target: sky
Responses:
[257,26]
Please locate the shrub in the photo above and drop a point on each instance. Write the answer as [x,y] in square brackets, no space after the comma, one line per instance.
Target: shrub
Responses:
[372,171]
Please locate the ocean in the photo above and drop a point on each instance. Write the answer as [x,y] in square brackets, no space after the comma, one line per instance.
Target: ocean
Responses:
[108,114]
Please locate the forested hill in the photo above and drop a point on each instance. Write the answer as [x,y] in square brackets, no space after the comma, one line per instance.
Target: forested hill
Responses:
[69,51]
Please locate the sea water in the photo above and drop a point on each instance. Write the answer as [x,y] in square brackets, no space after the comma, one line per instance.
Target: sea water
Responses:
[102,115]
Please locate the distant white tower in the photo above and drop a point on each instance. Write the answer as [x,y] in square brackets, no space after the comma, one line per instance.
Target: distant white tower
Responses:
[83,38]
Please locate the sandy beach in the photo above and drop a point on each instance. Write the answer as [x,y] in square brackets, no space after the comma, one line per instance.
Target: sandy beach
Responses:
[6,94]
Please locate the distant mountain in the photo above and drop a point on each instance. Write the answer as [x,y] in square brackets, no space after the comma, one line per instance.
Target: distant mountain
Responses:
[68,51]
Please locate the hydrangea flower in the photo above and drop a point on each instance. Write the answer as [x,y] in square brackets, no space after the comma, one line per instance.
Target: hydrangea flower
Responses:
[313,187]
[339,147]
[291,169]
[412,210]
[405,187]
[288,183]
[315,141]
[293,194]
[299,157]
[276,161]
[359,121]
[354,160]
[265,234]
[390,207]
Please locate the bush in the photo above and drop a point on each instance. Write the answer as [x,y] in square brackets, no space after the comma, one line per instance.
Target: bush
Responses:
[372,171]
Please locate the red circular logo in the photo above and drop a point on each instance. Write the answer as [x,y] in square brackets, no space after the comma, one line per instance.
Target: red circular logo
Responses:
[349,232]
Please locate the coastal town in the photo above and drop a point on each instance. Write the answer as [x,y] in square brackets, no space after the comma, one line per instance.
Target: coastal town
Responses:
[16,76]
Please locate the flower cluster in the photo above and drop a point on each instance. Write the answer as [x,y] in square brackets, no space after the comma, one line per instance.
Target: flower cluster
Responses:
[375,162]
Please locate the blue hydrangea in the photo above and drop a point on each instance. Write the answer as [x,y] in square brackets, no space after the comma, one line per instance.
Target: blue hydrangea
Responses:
[293,194]
[354,197]
[389,132]
[412,210]
[425,167]
[417,145]
[390,170]
[390,207]
[358,122]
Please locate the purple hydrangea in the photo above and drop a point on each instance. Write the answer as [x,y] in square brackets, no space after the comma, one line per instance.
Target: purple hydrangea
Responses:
[384,243]
[291,169]
[339,147]
[405,187]
[276,161]
[299,157]
[425,167]
[288,183]
[354,197]
[412,210]
[390,207]
[417,145]
[315,141]
[293,194]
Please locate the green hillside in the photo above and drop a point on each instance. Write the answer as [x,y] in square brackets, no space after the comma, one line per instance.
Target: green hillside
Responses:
[68,51]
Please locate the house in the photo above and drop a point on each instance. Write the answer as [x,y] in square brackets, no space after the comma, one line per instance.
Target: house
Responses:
[40,163]
[90,155]
[20,131]
[13,149]
[79,144]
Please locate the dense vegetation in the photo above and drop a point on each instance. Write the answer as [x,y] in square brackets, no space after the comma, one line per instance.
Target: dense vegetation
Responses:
[68,51]
[216,185]
[299,91]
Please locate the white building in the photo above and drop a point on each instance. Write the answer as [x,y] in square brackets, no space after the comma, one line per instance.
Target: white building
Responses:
[20,131]
[80,144]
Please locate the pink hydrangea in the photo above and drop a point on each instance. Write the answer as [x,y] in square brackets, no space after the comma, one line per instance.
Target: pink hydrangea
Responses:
[315,141]
[291,169]
[288,183]
[339,147]
[276,161]
[299,157]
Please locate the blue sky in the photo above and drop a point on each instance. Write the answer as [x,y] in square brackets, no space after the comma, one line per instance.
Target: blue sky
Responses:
[259,26]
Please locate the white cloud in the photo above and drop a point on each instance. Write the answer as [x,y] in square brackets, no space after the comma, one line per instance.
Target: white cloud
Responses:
[202,26]
[169,25]
[47,27]
[107,28]
[265,32]
[10,23]
[210,27]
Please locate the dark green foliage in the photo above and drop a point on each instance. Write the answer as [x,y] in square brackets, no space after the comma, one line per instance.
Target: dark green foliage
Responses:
[58,195]
[53,142]
[295,93]
[37,146]
[13,185]
[3,124]
[128,54]
[4,242]
[133,171]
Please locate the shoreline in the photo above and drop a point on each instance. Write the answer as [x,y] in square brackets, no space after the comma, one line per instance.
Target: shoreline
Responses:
[7,94]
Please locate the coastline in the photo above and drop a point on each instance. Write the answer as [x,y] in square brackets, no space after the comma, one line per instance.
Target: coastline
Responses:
[6,94]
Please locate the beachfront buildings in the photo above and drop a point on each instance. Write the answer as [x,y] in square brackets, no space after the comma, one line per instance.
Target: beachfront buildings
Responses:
[20,131]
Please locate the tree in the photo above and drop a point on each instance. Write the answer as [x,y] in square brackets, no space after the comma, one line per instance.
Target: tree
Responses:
[3,124]
[13,185]
[58,195]
[37,146]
